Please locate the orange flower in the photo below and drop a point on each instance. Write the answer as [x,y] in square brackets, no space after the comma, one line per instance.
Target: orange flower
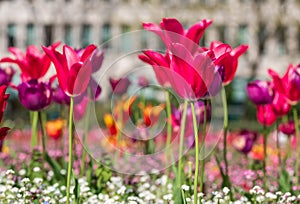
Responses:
[110,124]
[54,128]
[150,113]
[257,152]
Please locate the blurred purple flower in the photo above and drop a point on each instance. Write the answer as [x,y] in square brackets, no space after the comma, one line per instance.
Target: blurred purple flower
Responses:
[34,95]
[143,81]
[260,92]
[6,75]
[60,97]
[245,141]
[119,86]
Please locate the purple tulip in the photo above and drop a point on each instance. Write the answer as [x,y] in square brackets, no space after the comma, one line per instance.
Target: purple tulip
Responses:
[6,75]
[143,81]
[260,92]
[60,97]
[34,95]
[119,86]
[95,89]
[245,141]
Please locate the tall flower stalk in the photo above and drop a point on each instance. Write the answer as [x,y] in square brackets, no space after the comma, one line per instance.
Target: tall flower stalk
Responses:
[203,146]
[34,129]
[181,144]
[295,116]
[85,135]
[195,125]
[70,148]
[226,181]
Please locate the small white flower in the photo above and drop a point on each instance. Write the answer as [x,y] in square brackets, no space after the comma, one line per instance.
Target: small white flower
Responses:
[185,187]
[271,196]
[122,190]
[38,181]
[63,188]
[200,195]
[226,190]
[22,172]
[291,199]
[25,180]
[168,197]
[10,171]
[36,169]
[260,198]
[33,189]
[63,172]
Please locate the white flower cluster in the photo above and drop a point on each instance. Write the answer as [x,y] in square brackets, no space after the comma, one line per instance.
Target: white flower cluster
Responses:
[19,189]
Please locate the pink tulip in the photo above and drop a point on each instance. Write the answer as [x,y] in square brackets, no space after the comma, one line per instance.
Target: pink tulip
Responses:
[33,64]
[73,72]
[289,84]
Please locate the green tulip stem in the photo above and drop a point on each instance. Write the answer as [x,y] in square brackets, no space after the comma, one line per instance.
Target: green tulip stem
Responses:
[70,148]
[34,129]
[295,115]
[181,144]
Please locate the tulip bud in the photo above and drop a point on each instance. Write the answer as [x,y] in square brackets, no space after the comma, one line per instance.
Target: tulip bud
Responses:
[34,95]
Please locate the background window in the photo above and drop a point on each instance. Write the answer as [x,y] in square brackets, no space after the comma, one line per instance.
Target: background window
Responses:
[106,34]
[68,34]
[30,34]
[11,35]
[48,34]
[86,35]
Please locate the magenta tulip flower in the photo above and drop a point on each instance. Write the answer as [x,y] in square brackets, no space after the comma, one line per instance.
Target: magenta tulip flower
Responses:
[171,31]
[6,75]
[225,57]
[260,92]
[73,72]
[191,76]
[289,84]
[34,95]
[287,128]
[33,64]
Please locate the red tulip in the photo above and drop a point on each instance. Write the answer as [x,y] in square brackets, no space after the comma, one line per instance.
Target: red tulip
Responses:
[226,58]
[3,99]
[190,75]
[171,31]
[268,114]
[265,115]
[33,64]
[73,72]
[289,84]
[287,128]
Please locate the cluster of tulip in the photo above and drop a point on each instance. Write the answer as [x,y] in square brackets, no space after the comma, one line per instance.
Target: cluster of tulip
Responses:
[274,100]
[196,74]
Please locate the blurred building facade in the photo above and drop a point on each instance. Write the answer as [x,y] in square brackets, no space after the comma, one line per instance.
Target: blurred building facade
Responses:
[270,27]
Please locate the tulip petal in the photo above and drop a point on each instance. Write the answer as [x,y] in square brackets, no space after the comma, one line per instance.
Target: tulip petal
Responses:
[266,115]
[196,31]
[87,52]
[172,25]
[70,55]
[3,132]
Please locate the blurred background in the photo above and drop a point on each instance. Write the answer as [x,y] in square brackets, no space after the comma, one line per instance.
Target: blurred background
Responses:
[270,27]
